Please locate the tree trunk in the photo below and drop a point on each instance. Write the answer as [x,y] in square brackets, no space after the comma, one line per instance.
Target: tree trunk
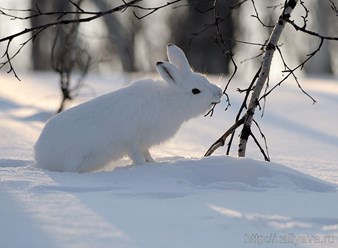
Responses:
[120,37]
[41,48]
[322,62]
[186,32]
[263,75]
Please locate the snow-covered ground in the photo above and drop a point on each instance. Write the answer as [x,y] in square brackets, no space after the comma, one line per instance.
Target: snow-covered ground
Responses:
[184,200]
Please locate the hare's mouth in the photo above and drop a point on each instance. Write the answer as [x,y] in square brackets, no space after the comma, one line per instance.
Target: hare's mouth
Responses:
[216,102]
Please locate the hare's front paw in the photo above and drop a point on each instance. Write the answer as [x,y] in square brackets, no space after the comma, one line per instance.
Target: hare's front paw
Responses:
[140,157]
[148,157]
[136,156]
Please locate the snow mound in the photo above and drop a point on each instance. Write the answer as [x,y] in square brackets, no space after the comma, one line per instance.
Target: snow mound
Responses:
[225,173]
[167,179]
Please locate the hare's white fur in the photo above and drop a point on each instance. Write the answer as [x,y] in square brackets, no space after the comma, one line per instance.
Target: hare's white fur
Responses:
[126,122]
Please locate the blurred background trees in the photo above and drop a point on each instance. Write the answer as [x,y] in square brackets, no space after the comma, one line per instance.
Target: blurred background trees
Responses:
[42,45]
[124,42]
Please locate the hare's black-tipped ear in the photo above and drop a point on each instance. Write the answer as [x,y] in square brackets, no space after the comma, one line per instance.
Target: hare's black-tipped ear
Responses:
[168,72]
[177,57]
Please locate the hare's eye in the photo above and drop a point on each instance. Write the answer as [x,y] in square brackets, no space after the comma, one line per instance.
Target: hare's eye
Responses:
[195,91]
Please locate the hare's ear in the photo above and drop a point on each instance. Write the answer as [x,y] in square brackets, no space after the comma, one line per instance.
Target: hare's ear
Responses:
[169,72]
[177,57]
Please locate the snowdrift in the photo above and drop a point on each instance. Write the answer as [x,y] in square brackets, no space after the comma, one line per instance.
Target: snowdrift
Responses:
[177,203]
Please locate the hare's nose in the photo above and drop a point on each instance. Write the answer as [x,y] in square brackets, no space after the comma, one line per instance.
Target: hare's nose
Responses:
[219,92]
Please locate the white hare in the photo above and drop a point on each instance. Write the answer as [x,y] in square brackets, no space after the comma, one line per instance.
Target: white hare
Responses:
[126,122]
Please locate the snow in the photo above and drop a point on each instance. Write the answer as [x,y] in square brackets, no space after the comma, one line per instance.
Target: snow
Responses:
[184,200]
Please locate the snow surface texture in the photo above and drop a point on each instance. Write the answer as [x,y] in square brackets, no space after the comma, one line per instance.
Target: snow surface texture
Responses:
[184,200]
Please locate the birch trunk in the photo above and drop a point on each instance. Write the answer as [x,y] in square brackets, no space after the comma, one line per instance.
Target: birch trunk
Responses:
[264,74]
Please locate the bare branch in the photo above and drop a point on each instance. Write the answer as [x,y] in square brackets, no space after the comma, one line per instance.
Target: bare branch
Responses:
[221,141]
[260,147]
[150,10]
[9,58]
[257,16]
[224,49]
[265,155]
[94,15]
[62,18]
[301,65]
[306,16]
[218,39]
[238,5]
[34,13]
[309,32]
[333,7]
[77,6]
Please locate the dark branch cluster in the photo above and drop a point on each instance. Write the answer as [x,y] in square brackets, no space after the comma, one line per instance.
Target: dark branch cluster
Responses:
[287,71]
[68,52]
[61,18]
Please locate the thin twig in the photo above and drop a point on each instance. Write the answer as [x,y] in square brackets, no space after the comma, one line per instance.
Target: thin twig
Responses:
[333,7]
[266,155]
[310,32]
[257,16]
[260,147]
[221,141]
[150,10]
